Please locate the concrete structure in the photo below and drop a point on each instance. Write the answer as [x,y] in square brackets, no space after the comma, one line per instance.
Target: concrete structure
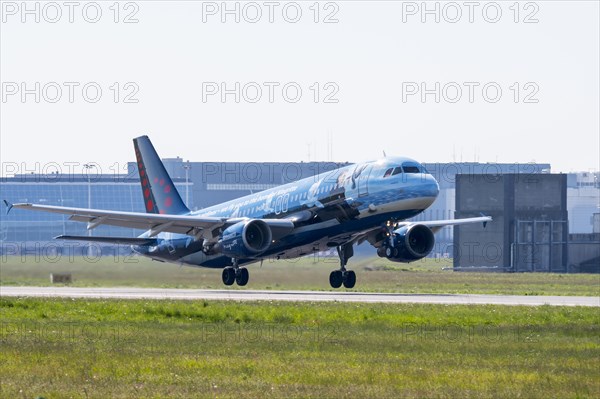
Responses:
[584,253]
[444,206]
[530,227]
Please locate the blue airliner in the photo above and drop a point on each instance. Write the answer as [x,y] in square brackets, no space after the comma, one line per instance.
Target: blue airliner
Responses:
[362,202]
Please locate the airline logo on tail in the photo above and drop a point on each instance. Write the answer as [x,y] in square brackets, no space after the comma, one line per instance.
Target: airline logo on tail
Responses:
[160,194]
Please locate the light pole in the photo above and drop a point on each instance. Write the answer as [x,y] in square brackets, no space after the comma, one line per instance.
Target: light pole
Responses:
[187,168]
[87,167]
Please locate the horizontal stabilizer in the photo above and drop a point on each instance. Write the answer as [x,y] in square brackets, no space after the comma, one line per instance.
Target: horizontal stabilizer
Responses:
[111,240]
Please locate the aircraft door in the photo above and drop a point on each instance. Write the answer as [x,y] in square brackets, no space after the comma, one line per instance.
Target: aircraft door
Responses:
[361,175]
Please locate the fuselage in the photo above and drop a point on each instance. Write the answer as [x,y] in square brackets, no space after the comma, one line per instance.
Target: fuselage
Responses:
[326,209]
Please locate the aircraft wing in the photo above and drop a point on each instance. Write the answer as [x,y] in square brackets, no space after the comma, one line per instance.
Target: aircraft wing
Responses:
[375,236]
[111,240]
[197,226]
[437,225]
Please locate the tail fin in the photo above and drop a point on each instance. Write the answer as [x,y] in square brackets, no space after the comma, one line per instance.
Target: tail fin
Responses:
[160,194]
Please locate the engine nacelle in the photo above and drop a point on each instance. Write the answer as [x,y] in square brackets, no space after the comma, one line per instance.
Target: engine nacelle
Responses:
[411,243]
[245,239]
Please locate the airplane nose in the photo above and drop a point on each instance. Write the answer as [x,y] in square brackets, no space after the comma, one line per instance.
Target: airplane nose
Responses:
[432,185]
[436,186]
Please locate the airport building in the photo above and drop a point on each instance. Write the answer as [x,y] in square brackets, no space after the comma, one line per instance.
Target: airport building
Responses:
[216,182]
[583,202]
[444,207]
[529,231]
[531,227]
[31,232]
[202,184]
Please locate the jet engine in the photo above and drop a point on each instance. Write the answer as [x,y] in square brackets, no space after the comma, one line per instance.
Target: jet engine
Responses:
[409,243]
[245,239]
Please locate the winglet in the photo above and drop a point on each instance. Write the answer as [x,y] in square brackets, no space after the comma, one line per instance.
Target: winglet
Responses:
[486,222]
[9,205]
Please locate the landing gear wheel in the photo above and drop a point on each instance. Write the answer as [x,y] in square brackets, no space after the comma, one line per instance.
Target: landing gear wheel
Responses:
[242,276]
[228,275]
[342,276]
[349,279]
[336,278]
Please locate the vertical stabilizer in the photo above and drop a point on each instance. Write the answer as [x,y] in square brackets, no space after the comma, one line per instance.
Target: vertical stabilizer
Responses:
[160,194]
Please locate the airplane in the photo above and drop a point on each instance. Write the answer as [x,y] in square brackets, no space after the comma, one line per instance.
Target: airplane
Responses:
[368,201]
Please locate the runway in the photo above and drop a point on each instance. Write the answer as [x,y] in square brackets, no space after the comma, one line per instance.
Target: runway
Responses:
[300,296]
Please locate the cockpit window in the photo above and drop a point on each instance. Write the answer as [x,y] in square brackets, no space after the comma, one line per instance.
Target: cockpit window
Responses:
[411,168]
[407,167]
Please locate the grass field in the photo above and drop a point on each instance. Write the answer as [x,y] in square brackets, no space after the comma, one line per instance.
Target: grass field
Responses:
[373,275]
[59,348]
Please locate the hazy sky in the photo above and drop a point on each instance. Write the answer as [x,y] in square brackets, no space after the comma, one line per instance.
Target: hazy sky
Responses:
[503,82]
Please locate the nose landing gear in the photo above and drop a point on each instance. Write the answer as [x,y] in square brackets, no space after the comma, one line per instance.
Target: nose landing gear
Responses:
[388,248]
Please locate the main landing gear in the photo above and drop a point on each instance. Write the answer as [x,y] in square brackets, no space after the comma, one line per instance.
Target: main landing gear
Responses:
[236,274]
[343,276]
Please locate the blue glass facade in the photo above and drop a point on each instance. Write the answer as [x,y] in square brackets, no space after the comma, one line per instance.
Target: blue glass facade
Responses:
[101,193]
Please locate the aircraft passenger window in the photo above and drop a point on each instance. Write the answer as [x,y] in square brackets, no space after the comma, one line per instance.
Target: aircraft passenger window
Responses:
[388,172]
[397,170]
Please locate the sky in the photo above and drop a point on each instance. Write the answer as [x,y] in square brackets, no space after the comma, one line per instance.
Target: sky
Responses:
[298,81]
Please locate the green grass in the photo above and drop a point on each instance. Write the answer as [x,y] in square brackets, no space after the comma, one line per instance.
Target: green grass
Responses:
[373,275]
[97,349]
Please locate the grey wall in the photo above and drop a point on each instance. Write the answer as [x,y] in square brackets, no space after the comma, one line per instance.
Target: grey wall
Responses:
[530,227]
